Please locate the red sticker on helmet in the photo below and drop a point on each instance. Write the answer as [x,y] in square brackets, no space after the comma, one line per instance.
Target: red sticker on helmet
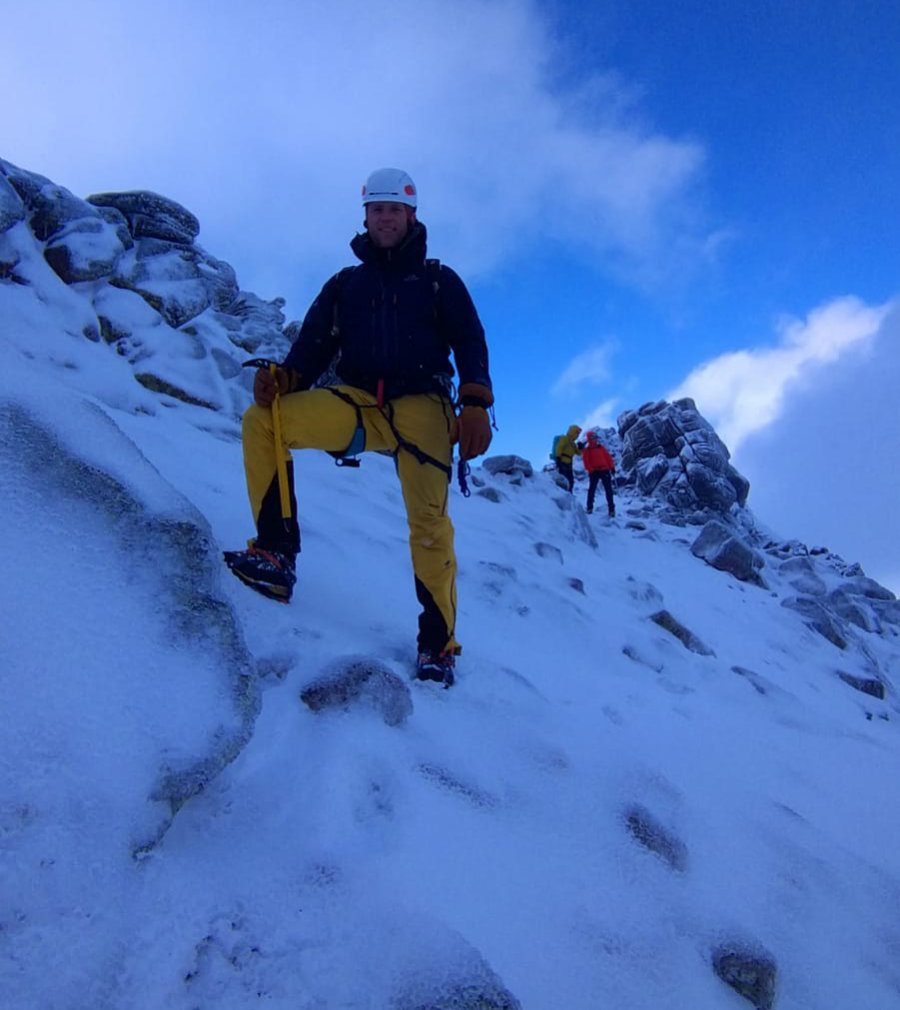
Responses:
[409,190]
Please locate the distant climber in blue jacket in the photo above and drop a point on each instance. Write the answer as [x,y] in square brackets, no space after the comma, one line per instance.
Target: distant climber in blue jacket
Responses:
[384,331]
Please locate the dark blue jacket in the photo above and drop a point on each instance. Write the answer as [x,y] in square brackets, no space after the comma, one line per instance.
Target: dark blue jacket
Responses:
[390,326]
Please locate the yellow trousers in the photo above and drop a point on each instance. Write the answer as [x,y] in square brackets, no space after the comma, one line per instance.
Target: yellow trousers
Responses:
[415,430]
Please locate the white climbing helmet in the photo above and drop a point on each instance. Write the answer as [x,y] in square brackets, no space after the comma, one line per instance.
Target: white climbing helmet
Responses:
[389,185]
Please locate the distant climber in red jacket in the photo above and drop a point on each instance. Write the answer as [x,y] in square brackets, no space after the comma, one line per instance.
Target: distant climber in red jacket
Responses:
[600,466]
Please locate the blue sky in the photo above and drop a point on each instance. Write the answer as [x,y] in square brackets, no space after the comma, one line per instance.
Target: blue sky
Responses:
[646,199]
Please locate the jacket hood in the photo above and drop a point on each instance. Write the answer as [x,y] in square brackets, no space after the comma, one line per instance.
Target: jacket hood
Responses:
[573,431]
[592,438]
[410,252]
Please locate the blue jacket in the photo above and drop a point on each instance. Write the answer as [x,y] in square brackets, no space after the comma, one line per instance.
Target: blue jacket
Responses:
[390,326]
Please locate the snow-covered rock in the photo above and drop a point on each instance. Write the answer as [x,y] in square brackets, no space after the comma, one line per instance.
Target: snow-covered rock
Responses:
[673,452]
[190,345]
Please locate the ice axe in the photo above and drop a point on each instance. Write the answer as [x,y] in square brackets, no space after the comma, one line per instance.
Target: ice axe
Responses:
[284,492]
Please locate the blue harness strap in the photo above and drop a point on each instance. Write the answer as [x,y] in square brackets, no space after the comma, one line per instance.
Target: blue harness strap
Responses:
[347,457]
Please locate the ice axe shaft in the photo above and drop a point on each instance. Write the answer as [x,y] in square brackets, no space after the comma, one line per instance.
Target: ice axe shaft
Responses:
[284,491]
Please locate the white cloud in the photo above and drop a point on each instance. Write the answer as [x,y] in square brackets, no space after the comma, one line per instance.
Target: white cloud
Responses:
[746,391]
[591,367]
[825,471]
[603,415]
[264,126]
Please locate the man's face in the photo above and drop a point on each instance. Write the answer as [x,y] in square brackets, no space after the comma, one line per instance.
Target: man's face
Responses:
[388,223]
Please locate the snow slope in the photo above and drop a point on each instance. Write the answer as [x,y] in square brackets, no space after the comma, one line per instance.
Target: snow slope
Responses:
[586,817]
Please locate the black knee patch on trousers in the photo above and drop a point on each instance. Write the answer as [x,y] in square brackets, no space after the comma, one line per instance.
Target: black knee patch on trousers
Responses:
[433,631]
[273,531]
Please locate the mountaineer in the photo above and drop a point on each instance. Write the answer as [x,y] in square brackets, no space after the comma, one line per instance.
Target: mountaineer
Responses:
[564,452]
[386,328]
[600,466]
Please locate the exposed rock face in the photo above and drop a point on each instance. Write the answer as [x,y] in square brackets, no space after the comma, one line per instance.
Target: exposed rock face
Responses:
[671,451]
[175,312]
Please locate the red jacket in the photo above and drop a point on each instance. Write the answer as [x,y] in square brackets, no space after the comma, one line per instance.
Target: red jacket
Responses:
[595,457]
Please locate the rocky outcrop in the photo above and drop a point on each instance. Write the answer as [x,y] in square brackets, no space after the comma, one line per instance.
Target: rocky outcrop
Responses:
[669,450]
[172,310]
[836,599]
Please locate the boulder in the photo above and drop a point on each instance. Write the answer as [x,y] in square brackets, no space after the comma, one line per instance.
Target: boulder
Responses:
[800,564]
[867,685]
[150,215]
[258,323]
[649,472]
[860,585]
[86,250]
[117,220]
[513,466]
[809,584]
[47,207]
[818,618]
[751,973]
[12,209]
[491,493]
[648,831]
[720,547]
[546,550]
[684,635]
[354,681]
[887,610]
[853,609]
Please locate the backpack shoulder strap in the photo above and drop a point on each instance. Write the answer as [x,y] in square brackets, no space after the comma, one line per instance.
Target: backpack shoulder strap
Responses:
[433,271]
[433,267]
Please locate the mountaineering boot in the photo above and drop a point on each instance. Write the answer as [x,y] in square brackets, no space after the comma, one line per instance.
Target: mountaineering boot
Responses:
[590,512]
[612,513]
[268,572]
[435,666]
